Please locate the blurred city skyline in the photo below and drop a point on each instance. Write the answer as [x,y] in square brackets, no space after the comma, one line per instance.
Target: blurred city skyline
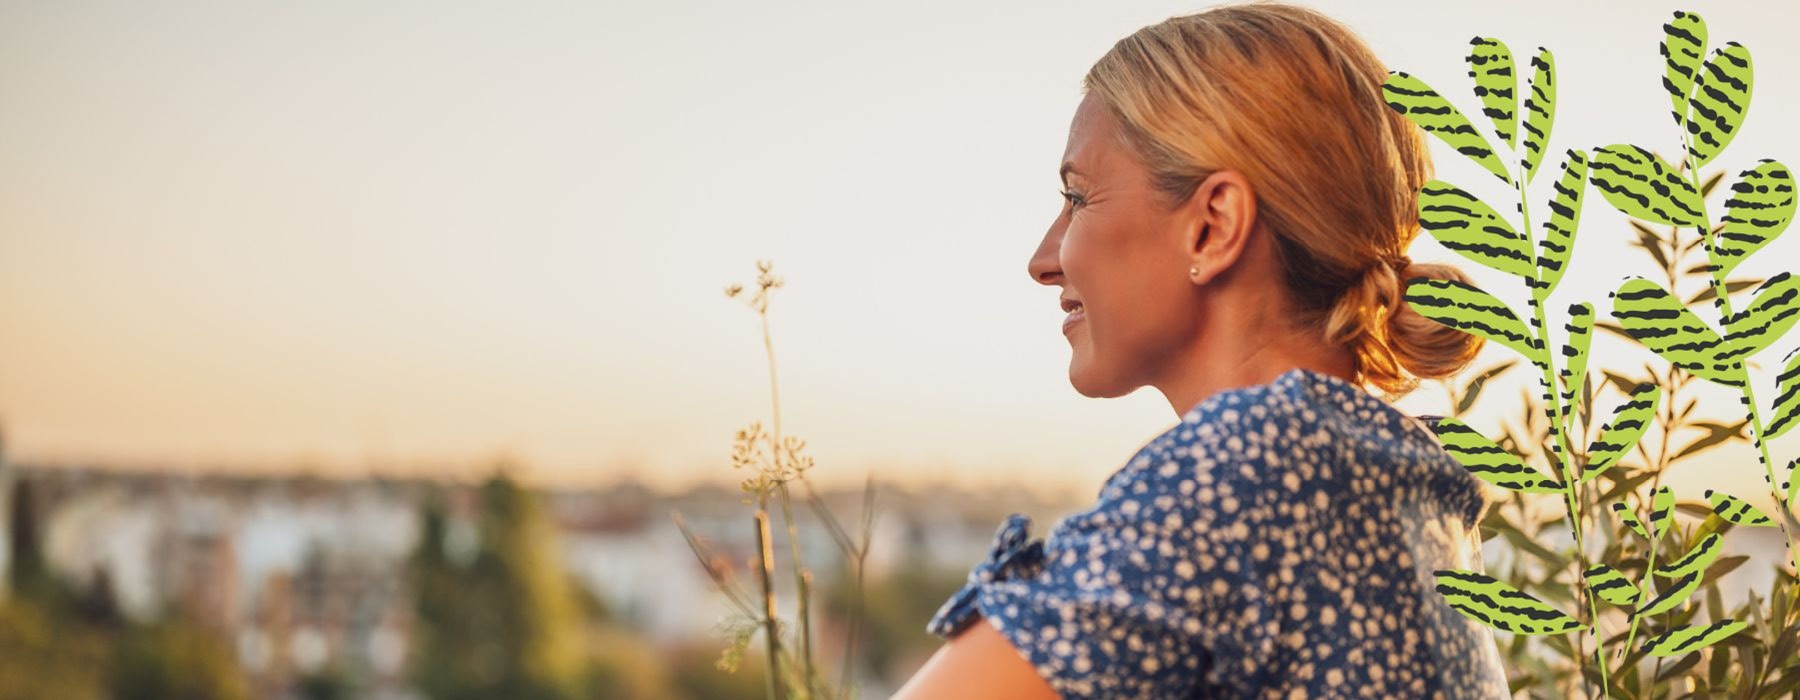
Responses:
[413,238]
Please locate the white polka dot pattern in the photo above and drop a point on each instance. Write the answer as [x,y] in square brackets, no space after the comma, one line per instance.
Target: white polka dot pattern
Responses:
[1278,542]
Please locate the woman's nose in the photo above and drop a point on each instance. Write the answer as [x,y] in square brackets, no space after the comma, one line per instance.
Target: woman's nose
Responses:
[1044,266]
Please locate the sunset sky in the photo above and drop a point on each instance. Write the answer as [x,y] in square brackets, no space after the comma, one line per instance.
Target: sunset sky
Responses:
[414,237]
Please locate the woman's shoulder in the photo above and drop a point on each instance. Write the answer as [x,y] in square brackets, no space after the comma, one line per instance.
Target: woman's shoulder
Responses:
[1303,441]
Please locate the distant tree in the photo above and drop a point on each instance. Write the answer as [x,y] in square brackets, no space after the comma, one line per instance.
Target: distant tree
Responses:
[28,575]
[507,624]
[175,660]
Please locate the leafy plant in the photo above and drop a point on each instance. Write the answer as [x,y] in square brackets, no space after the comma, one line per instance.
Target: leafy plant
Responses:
[776,461]
[1624,585]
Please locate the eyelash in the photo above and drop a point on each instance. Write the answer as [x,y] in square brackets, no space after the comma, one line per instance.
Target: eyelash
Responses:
[1074,200]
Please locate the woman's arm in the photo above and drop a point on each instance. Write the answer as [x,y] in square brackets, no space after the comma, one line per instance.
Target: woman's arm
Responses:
[977,663]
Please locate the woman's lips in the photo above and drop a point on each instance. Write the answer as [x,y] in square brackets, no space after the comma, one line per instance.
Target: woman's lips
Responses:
[1074,317]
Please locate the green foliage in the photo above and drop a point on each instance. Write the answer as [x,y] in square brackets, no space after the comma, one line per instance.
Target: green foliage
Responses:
[1673,602]
[175,660]
[507,622]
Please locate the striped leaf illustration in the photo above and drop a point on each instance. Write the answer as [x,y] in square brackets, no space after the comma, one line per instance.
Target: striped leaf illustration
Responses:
[1683,47]
[1759,209]
[1468,309]
[1696,560]
[1411,97]
[1787,398]
[1681,640]
[1500,606]
[1463,223]
[1630,518]
[1641,185]
[1491,65]
[1677,593]
[1622,432]
[1580,330]
[1611,585]
[1540,110]
[1736,511]
[1662,508]
[1721,96]
[1488,462]
[1770,314]
[1559,231]
[1655,318]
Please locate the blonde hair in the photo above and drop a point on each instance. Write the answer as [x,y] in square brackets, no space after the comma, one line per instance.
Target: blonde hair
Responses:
[1292,99]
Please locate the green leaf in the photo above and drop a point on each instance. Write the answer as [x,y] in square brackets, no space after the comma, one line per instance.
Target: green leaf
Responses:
[1721,97]
[1652,316]
[1787,397]
[1486,600]
[1760,207]
[1622,432]
[1464,224]
[1580,330]
[1491,65]
[1540,110]
[1468,309]
[1559,231]
[1772,311]
[1662,508]
[1488,461]
[1677,593]
[1682,640]
[1683,46]
[1696,559]
[1630,518]
[1737,511]
[1641,185]
[1411,97]
[1611,585]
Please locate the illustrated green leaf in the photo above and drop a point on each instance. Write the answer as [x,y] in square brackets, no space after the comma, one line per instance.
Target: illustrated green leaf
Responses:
[1682,640]
[1653,317]
[1630,518]
[1491,65]
[1468,309]
[1641,185]
[1611,585]
[1488,461]
[1787,398]
[1736,511]
[1486,600]
[1696,560]
[1677,593]
[1683,47]
[1580,329]
[1759,209]
[1662,508]
[1411,97]
[1464,224]
[1721,97]
[1622,432]
[1540,110]
[1559,231]
[1772,311]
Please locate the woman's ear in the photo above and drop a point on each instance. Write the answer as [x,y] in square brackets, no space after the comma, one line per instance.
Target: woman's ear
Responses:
[1221,214]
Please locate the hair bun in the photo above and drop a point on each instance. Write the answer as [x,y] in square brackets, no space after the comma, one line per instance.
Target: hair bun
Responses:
[1398,346]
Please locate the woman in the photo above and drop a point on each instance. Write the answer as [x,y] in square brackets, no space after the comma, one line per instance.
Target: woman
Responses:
[1239,200]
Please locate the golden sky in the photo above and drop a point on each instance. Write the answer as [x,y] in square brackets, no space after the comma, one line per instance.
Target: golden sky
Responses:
[411,237]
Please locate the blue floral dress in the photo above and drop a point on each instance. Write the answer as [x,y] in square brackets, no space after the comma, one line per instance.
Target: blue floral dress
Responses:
[1279,542]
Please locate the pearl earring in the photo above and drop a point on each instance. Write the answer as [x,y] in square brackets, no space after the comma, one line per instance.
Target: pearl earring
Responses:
[1194,271]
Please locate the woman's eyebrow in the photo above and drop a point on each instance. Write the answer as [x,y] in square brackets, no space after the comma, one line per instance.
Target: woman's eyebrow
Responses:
[1067,167]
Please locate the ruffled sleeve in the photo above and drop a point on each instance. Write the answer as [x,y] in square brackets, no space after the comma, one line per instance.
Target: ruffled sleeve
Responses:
[1013,554]
[1090,607]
